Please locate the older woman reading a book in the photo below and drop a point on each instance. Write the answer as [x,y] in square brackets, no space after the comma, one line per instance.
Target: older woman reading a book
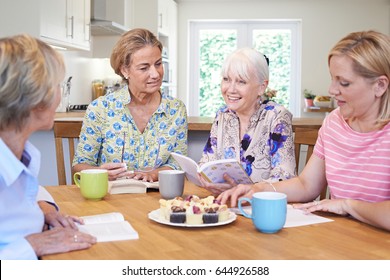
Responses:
[256,132]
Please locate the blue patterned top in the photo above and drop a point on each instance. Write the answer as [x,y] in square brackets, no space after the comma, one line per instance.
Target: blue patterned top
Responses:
[108,125]
[266,151]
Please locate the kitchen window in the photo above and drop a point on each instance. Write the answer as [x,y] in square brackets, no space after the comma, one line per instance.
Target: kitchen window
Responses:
[212,41]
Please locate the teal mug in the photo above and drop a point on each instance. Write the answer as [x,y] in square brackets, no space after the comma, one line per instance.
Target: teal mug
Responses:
[269,210]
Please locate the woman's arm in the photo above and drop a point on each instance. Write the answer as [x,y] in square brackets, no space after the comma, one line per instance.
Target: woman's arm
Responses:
[305,187]
[373,213]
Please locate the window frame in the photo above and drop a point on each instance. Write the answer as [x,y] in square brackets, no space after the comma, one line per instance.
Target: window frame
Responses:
[244,38]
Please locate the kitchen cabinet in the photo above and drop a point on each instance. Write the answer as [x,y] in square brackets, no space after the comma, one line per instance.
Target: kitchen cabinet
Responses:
[162,21]
[163,16]
[167,33]
[64,23]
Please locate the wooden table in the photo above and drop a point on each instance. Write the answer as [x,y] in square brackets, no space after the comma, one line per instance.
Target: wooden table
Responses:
[345,238]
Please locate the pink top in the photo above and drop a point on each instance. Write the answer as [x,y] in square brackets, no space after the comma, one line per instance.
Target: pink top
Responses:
[357,164]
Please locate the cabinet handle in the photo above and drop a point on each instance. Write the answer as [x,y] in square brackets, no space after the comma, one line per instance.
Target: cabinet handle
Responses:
[72,26]
[71,29]
[160,19]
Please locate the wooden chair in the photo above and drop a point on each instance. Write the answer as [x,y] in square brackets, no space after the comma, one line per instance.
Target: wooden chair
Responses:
[69,130]
[306,137]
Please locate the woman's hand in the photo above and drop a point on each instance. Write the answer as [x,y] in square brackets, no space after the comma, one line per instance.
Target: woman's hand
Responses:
[146,176]
[116,170]
[218,188]
[53,218]
[336,206]
[56,219]
[59,240]
[235,193]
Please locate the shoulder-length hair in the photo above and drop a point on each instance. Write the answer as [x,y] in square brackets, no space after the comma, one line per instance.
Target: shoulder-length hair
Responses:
[130,42]
[370,53]
[30,73]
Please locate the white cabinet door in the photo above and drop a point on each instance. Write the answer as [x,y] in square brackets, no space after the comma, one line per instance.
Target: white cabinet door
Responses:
[163,17]
[53,20]
[66,22]
[80,20]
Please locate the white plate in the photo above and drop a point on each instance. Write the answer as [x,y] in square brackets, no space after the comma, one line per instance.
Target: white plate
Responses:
[155,216]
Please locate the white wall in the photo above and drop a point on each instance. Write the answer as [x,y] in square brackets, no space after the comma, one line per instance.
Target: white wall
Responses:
[324,22]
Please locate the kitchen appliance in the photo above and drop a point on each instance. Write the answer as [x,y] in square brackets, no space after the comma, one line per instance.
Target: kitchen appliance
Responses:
[64,105]
[102,20]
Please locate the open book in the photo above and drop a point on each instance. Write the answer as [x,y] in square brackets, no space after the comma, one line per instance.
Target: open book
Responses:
[108,227]
[212,171]
[123,185]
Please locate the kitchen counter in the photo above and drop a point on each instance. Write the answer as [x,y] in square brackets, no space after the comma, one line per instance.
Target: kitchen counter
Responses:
[195,123]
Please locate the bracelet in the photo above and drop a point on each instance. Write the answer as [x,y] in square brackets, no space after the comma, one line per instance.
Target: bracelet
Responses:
[272,186]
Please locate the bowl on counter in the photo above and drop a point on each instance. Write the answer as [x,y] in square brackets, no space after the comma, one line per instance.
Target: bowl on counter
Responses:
[322,101]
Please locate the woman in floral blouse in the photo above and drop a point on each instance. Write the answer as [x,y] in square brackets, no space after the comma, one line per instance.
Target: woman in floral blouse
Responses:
[132,131]
[256,132]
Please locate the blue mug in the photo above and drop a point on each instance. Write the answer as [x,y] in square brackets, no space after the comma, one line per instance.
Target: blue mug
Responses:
[269,210]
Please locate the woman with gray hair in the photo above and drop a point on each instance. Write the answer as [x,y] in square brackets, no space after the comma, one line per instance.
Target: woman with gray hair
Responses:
[30,76]
[255,131]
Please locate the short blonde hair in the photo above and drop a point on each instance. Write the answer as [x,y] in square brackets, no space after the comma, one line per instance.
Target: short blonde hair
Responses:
[30,72]
[370,53]
[130,42]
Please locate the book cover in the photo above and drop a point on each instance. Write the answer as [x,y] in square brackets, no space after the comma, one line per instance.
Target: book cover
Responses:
[123,185]
[212,171]
[108,227]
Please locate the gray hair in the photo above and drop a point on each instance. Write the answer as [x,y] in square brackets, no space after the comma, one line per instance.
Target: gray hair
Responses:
[30,72]
[241,60]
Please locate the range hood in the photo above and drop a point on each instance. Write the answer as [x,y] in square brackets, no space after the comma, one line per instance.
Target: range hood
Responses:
[103,19]
[101,27]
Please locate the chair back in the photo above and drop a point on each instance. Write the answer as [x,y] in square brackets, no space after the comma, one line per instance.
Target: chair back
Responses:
[68,131]
[306,137]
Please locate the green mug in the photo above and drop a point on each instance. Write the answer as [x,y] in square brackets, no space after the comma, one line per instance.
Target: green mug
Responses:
[93,183]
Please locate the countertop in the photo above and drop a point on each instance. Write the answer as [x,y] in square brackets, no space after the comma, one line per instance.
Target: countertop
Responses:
[194,123]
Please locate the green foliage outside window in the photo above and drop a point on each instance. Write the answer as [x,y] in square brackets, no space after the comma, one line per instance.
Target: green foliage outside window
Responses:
[215,45]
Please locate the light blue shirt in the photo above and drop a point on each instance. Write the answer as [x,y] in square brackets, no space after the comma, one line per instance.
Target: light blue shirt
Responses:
[20,214]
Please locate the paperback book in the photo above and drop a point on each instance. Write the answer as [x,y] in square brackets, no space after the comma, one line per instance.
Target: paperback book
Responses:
[123,185]
[212,171]
[108,227]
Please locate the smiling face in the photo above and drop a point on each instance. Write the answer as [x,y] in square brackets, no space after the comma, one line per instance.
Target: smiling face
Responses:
[241,94]
[145,72]
[357,97]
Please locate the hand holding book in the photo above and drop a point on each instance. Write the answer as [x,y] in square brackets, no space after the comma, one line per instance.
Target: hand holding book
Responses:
[212,171]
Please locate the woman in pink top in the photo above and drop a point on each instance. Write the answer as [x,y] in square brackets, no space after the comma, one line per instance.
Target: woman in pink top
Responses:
[352,153]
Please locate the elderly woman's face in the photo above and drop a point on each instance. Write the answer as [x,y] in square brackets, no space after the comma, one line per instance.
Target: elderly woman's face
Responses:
[241,94]
[145,71]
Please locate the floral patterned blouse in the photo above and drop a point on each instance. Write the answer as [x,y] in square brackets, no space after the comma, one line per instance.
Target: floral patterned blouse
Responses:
[266,151]
[108,127]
